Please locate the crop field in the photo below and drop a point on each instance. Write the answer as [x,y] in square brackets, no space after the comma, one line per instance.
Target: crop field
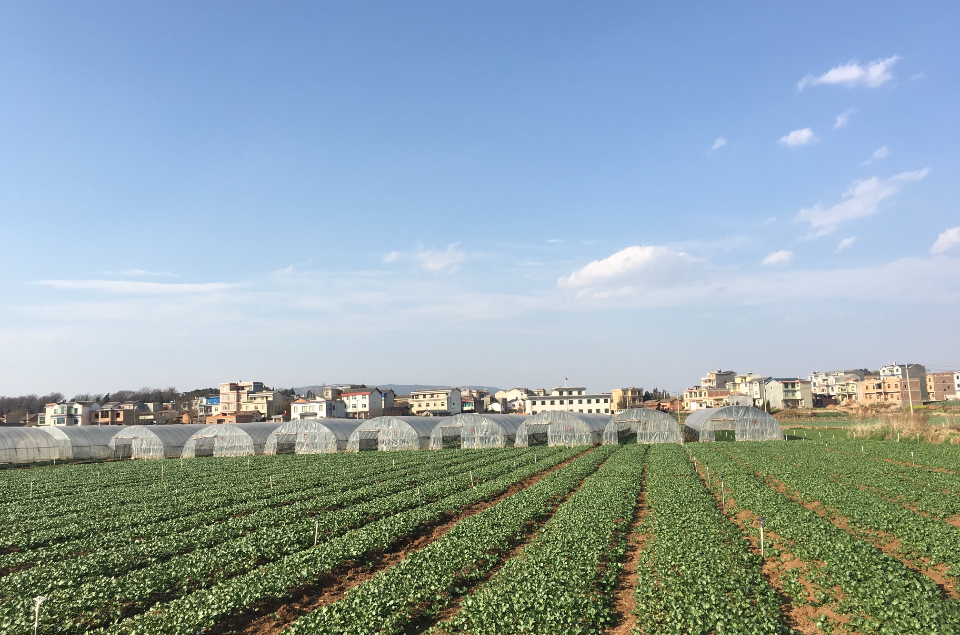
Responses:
[857,537]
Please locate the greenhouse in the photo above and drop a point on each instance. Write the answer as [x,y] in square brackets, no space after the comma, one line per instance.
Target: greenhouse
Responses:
[392,433]
[84,443]
[313,435]
[152,442]
[650,426]
[26,445]
[229,439]
[562,428]
[731,423]
[475,431]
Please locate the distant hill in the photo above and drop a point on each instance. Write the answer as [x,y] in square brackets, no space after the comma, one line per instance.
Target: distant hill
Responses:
[400,389]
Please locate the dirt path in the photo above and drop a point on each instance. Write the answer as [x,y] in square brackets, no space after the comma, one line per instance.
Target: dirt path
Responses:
[624,604]
[270,617]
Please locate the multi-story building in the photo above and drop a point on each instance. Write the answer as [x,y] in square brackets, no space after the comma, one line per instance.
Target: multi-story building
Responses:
[892,390]
[206,406]
[70,413]
[700,397]
[267,402]
[902,371]
[435,401]
[846,389]
[956,382]
[320,408]
[512,394]
[751,386]
[233,394]
[942,386]
[570,398]
[783,393]
[626,398]
[717,379]
[824,383]
[368,403]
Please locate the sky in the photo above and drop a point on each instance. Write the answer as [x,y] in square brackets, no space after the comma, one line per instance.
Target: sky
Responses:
[474,193]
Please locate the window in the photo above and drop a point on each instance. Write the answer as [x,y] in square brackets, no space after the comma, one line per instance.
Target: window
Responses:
[581,409]
[589,410]
[588,401]
[551,402]
[606,410]
[580,401]
[542,403]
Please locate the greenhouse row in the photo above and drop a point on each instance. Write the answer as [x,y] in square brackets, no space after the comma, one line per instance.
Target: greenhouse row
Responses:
[322,436]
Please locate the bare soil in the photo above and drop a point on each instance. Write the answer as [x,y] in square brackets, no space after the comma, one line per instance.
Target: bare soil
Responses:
[624,604]
[272,616]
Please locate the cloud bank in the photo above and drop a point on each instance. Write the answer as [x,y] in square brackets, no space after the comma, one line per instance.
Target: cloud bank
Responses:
[853,74]
[798,138]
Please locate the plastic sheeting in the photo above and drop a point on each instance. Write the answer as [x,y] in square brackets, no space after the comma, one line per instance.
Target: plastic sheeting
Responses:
[746,422]
[83,443]
[152,442]
[27,445]
[311,435]
[404,433]
[476,431]
[651,426]
[229,439]
[562,428]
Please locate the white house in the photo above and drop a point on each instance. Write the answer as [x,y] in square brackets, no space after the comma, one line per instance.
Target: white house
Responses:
[71,413]
[367,403]
[571,399]
[320,408]
[436,401]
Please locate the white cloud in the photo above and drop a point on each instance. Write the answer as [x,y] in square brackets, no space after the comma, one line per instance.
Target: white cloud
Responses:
[880,153]
[437,261]
[862,198]
[798,138]
[719,143]
[769,221]
[852,74]
[139,288]
[777,258]
[393,256]
[634,264]
[846,242]
[947,240]
[843,119]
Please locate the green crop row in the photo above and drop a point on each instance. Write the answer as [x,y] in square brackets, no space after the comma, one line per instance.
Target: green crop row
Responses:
[562,582]
[104,598]
[877,591]
[698,575]
[204,608]
[427,581]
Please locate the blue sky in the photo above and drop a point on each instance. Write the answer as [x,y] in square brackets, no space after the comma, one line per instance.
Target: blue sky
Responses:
[491,193]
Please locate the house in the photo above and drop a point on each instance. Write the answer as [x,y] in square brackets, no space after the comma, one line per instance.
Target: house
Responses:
[368,402]
[233,394]
[905,371]
[749,385]
[435,401]
[701,397]
[717,379]
[823,383]
[206,406]
[319,408]
[788,392]
[892,391]
[70,413]
[626,398]
[942,386]
[267,402]
[249,416]
[571,399]
[17,419]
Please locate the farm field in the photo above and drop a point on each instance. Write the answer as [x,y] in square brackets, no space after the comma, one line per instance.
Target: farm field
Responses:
[859,537]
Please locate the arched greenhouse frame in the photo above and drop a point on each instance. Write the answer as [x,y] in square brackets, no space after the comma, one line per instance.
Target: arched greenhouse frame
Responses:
[733,423]
[404,433]
[562,428]
[27,445]
[475,431]
[152,442]
[651,426]
[229,439]
[311,435]
[84,443]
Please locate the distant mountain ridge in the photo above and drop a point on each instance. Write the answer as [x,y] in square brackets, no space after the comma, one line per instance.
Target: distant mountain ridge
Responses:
[400,389]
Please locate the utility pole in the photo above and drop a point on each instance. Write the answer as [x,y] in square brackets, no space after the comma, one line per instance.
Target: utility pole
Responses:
[906,367]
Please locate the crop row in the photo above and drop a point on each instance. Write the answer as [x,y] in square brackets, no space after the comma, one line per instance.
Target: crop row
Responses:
[698,574]
[206,607]
[104,598]
[877,592]
[563,581]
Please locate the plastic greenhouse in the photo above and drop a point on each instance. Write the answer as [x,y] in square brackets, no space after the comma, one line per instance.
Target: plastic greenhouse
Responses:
[83,443]
[26,445]
[228,439]
[392,433]
[740,423]
[475,431]
[313,435]
[562,427]
[651,426]
[152,442]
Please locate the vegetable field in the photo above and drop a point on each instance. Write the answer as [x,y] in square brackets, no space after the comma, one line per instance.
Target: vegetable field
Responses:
[856,537]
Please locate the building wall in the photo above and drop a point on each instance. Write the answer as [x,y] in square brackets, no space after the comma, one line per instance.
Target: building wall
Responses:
[437,402]
[941,386]
[572,399]
[321,408]
[71,413]
[632,395]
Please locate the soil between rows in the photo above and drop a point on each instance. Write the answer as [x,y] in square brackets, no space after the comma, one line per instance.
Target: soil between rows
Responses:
[270,617]
[624,604]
